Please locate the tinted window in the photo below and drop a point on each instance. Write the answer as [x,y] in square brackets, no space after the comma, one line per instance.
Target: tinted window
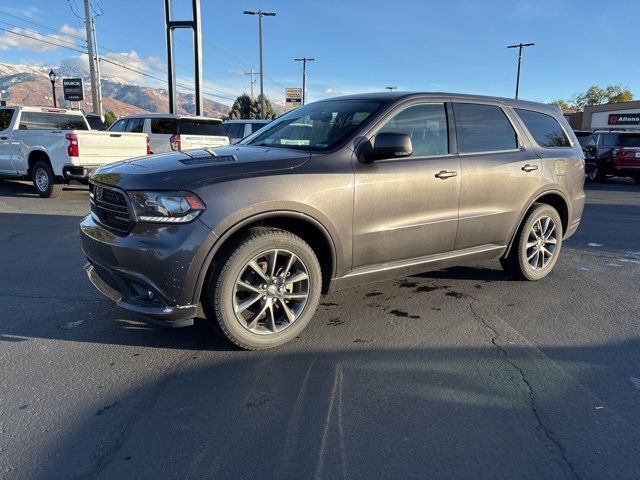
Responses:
[235,130]
[165,126]
[5,118]
[483,128]
[118,126]
[190,126]
[426,125]
[630,140]
[316,126]
[135,125]
[256,126]
[586,139]
[544,129]
[52,121]
[610,139]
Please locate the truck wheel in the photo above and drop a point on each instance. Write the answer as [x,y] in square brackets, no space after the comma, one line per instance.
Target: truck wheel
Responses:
[263,289]
[44,180]
[537,245]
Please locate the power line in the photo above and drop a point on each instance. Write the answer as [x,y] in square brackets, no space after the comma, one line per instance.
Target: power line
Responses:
[41,40]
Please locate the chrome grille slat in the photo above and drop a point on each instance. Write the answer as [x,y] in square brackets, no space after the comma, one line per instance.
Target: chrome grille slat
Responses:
[110,208]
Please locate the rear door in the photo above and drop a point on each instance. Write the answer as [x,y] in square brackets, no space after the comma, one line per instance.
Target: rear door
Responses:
[406,208]
[500,172]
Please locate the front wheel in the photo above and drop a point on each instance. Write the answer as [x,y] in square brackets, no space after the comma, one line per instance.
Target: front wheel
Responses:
[44,180]
[264,289]
[537,245]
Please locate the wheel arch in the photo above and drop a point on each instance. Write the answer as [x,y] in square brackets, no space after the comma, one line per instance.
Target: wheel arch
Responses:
[36,156]
[554,198]
[306,227]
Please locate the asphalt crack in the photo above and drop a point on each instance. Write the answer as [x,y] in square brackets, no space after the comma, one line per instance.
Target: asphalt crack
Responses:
[533,406]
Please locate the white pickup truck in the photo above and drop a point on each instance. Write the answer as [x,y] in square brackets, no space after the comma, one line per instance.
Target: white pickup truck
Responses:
[52,146]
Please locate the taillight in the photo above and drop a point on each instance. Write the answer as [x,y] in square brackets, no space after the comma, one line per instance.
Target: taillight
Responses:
[73,150]
[149,152]
[175,142]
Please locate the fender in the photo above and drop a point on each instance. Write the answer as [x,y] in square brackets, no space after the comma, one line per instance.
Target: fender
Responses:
[219,239]
[532,200]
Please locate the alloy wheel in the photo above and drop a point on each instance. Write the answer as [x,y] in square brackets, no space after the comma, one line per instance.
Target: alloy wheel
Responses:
[42,179]
[541,243]
[271,291]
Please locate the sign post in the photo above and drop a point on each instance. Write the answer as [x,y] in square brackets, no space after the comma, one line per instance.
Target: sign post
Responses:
[292,98]
[73,89]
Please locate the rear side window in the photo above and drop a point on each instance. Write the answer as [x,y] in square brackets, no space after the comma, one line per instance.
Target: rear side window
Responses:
[165,126]
[52,121]
[610,139]
[135,125]
[192,126]
[426,125]
[5,118]
[256,126]
[544,129]
[630,141]
[236,130]
[483,128]
[586,139]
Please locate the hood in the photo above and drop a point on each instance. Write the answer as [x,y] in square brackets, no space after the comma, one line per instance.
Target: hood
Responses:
[194,168]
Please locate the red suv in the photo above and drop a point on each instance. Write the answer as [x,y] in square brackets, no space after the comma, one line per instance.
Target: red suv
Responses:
[618,154]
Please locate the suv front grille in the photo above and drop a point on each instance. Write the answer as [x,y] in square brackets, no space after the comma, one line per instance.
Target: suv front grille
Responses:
[111,208]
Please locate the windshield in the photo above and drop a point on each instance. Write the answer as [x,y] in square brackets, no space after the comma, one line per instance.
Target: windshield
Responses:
[586,139]
[317,126]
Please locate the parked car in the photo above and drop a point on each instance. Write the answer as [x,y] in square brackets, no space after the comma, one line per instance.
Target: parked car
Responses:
[238,129]
[95,121]
[385,185]
[589,148]
[51,146]
[616,150]
[175,132]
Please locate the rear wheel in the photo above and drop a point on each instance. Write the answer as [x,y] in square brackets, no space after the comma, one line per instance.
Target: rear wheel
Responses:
[537,246]
[44,180]
[264,288]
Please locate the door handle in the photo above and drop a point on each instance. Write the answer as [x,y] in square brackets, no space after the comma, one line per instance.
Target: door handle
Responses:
[444,174]
[4,138]
[529,168]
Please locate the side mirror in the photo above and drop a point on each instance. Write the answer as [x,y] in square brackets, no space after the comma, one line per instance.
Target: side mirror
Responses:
[388,145]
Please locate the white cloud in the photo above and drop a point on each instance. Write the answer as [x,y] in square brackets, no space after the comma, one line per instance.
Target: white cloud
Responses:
[33,41]
[74,32]
[127,66]
[29,12]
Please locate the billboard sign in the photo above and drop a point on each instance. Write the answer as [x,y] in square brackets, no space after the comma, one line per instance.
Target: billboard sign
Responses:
[624,119]
[73,89]
[292,98]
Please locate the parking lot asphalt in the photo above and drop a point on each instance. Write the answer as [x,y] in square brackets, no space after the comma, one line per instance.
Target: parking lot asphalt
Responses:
[459,373]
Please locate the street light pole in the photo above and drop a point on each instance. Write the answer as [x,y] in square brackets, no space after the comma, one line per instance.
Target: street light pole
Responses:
[304,61]
[519,46]
[260,14]
[391,88]
[52,78]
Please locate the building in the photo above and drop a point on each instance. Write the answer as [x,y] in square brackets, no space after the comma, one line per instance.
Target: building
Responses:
[611,115]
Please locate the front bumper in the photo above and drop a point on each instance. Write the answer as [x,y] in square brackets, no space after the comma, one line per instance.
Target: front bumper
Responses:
[152,271]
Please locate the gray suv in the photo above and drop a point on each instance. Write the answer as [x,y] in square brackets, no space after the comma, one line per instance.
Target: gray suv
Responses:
[333,194]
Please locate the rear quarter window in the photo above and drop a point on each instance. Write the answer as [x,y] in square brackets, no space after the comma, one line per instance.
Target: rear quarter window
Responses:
[544,129]
[235,130]
[201,127]
[164,126]
[5,118]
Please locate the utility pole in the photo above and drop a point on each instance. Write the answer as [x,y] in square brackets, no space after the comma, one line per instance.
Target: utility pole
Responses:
[94,70]
[260,14]
[519,46]
[304,61]
[253,82]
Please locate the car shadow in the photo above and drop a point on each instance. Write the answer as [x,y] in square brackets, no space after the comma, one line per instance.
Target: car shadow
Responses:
[19,188]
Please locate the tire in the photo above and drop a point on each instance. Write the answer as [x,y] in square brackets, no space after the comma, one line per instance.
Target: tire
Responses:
[276,311]
[596,175]
[522,263]
[44,181]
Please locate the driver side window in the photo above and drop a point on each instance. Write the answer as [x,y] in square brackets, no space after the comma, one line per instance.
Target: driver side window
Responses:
[426,126]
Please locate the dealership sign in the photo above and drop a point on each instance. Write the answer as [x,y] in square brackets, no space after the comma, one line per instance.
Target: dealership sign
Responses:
[624,119]
[73,89]
[292,98]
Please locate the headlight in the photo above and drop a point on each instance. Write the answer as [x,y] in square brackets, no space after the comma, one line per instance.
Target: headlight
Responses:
[166,207]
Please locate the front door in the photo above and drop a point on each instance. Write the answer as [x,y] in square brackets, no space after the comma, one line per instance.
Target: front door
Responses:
[407,208]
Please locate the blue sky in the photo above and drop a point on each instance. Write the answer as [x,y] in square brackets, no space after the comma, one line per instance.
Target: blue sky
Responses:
[454,45]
